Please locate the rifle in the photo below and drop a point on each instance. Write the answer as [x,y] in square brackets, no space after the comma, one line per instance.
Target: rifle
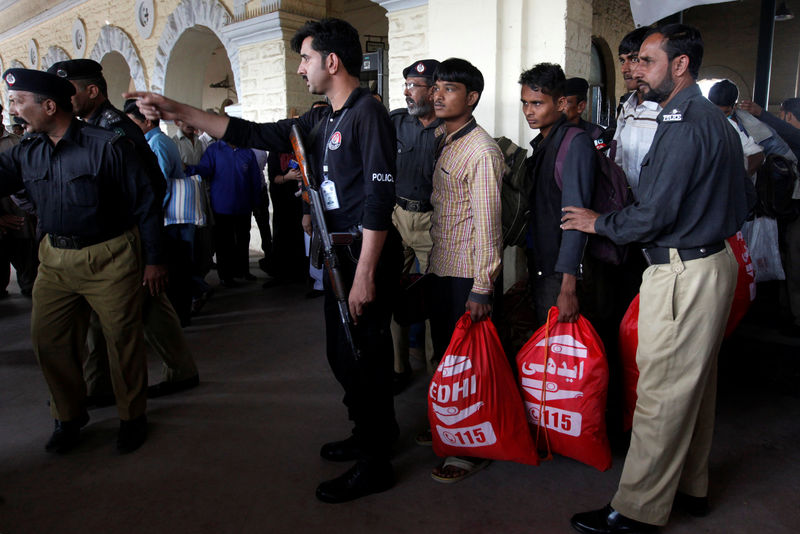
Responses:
[312,195]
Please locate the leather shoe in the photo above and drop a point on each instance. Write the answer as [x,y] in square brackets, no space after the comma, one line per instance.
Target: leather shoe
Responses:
[346,450]
[131,434]
[66,434]
[694,506]
[169,387]
[364,478]
[608,521]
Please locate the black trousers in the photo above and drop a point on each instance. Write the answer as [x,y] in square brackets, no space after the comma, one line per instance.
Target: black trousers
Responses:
[232,243]
[448,299]
[367,382]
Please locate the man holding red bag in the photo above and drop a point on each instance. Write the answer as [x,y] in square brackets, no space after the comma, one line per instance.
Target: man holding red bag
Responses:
[693,193]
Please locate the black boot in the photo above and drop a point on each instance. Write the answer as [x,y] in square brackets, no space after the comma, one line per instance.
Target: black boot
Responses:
[364,478]
[131,434]
[66,434]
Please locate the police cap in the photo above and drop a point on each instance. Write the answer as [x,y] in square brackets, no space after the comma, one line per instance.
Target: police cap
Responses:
[77,69]
[424,68]
[576,87]
[39,82]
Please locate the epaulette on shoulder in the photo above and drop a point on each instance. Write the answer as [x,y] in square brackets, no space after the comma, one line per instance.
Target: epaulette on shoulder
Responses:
[98,132]
[111,117]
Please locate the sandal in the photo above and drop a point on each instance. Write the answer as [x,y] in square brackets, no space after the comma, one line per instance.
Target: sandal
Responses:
[424,438]
[463,466]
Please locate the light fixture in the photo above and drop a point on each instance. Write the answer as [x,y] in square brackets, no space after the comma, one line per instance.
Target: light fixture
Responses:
[782,13]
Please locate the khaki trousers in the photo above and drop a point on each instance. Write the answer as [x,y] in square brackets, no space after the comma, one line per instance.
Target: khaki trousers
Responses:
[105,277]
[683,310]
[162,331]
[415,229]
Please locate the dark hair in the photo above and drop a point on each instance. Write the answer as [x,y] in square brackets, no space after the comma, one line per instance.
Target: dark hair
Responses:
[130,108]
[724,93]
[64,104]
[99,81]
[577,87]
[460,71]
[332,36]
[792,105]
[632,42]
[547,78]
[679,40]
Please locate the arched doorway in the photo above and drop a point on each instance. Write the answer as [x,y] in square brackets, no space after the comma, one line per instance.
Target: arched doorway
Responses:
[199,71]
[601,108]
[118,77]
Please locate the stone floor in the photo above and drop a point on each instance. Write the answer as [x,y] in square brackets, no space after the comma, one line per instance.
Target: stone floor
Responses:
[239,454]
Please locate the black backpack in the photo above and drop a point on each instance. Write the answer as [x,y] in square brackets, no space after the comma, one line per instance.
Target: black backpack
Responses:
[611,193]
[514,194]
[775,184]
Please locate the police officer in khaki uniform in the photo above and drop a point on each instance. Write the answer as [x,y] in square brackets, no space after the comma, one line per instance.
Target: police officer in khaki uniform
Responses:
[102,243]
[162,327]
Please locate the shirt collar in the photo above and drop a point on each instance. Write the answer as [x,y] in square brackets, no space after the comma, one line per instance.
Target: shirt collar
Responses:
[458,134]
[632,103]
[151,133]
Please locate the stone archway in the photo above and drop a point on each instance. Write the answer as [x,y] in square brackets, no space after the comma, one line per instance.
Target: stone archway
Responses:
[54,55]
[113,39]
[720,72]
[189,13]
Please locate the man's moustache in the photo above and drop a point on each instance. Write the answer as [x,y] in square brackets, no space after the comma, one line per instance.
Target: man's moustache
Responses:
[20,120]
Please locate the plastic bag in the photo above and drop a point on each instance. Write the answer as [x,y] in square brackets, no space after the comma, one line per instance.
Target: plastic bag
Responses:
[761,236]
[745,292]
[564,375]
[474,406]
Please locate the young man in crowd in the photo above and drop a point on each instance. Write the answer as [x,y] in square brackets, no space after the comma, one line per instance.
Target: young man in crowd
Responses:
[465,226]
[353,148]
[556,258]
[575,93]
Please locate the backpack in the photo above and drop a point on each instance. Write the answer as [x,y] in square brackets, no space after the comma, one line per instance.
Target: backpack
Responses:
[775,184]
[514,193]
[611,193]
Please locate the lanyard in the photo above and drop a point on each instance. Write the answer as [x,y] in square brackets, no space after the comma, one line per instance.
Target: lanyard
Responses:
[328,141]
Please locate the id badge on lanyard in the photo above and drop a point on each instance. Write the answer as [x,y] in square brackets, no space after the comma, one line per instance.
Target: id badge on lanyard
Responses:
[328,187]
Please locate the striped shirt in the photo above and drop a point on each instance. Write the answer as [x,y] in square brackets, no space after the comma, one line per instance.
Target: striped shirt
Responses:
[636,127]
[465,226]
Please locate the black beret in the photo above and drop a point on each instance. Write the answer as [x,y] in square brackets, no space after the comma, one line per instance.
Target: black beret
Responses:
[77,69]
[423,68]
[38,82]
[576,87]
[724,93]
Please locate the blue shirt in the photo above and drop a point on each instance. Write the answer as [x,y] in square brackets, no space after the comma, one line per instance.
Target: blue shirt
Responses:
[234,176]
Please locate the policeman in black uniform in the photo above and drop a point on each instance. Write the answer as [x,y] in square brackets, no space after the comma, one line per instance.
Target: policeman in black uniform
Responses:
[162,326]
[415,125]
[103,231]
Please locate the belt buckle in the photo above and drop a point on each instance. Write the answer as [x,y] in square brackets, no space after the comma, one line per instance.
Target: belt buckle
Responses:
[647,257]
[63,242]
[413,205]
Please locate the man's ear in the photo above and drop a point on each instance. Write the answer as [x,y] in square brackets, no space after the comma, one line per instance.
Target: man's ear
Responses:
[472,98]
[561,103]
[50,106]
[581,107]
[92,90]
[332,63]
[680,65]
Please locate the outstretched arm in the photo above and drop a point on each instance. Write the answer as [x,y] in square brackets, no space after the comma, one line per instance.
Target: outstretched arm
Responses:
[155,106]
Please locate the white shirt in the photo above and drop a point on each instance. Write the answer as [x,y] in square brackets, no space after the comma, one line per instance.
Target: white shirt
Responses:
[749,145]
[636,127]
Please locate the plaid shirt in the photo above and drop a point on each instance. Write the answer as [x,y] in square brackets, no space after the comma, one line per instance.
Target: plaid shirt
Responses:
[466,229]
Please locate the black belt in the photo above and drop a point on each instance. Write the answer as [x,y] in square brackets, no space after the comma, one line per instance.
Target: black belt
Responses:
[75,242]
[658,255]
[420,206]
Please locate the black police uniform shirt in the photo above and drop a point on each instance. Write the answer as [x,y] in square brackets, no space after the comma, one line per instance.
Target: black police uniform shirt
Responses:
[693,189]
[416,156]
[361,146]
[108,117]
[89,185]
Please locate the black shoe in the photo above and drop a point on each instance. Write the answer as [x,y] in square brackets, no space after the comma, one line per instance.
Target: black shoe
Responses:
[608,521]
[100,400]
[360,480]
[66,435]
[346,450]
[169,387]
[131,434]
[694,506]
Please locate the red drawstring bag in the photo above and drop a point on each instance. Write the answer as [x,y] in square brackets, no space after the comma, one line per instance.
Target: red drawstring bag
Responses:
[628,343]
[745,283]
[564,375]
[743,296]
[474,406]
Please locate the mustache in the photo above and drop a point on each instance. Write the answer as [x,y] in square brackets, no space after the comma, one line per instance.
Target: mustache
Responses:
[20,121]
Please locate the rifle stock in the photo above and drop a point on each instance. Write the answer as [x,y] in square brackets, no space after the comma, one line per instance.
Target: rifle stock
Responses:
[312,196]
